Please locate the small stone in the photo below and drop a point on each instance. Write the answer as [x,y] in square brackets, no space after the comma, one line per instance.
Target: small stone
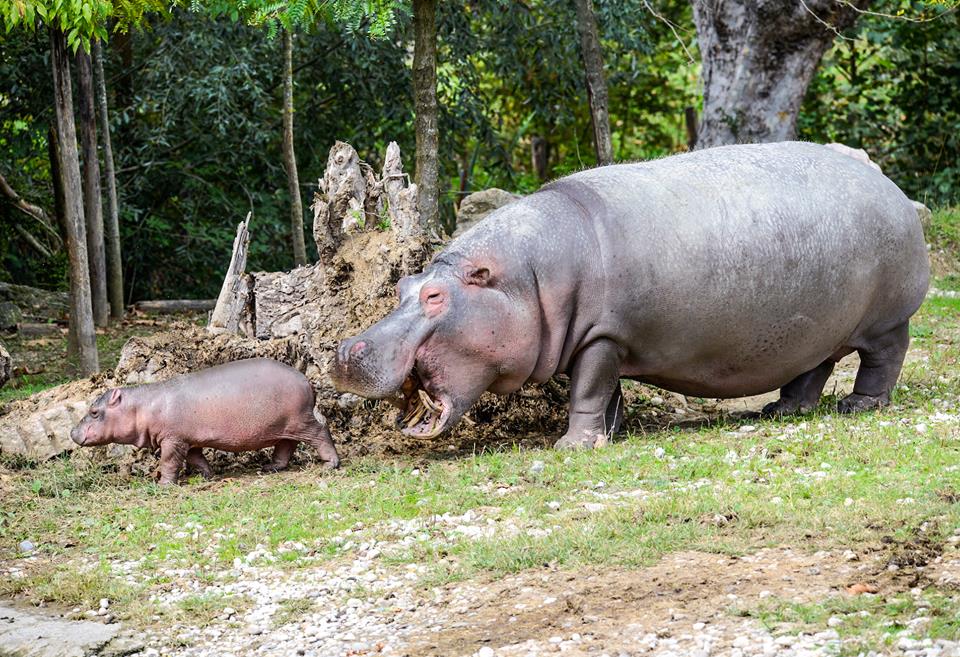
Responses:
[104,603]
[659,453]
[253,630]
[553,505]
[229,611]
[537,467]
[699,626]
[27,546]
[834,621]
[747,428]
[848,502]
[485,651]
[850,555]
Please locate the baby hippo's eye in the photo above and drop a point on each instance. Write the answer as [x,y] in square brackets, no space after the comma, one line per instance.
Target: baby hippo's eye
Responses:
[95,414]
[433,298]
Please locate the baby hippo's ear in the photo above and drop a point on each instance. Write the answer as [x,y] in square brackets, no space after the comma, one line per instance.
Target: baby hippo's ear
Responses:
[115,397]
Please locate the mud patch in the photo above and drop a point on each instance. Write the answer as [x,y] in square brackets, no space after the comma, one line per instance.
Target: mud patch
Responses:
[604,610]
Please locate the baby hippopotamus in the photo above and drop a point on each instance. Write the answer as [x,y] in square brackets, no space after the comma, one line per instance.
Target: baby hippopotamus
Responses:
[236,407]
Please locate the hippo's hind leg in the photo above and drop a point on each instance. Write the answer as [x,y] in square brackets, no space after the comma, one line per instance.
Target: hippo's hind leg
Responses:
[802,394]
[316,434]
[281,456]
[880,362]
[595,401]
[197,462]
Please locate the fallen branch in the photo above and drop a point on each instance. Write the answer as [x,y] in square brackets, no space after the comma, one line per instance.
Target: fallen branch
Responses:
[164,306]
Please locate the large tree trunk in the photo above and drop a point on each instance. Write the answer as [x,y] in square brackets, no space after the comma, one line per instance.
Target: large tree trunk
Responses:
[114,261]
[596,83]
[92,202]
[290,157]
[425,107]
[68,169]
[758,58]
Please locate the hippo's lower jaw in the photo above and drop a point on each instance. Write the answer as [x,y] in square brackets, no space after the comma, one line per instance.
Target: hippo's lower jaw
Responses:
[423,416]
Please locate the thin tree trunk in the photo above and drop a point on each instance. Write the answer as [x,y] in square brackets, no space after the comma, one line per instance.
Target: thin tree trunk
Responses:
[290,157]
[92,201]
[114,260]
[596,83]
[758,59]
[425,106]
[68,168]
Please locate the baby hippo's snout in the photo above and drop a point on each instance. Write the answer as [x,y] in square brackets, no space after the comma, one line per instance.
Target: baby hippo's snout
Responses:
[76,434]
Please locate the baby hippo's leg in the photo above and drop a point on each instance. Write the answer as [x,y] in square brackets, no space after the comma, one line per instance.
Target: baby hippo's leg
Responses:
[197,462]
[323,443]
[281,456]
[172,453]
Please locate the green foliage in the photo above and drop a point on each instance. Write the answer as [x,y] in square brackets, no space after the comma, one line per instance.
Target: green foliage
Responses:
[377,17]
[892,90]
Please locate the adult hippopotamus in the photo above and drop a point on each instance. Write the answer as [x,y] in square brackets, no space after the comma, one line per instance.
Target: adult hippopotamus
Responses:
[724,272]
[236,407]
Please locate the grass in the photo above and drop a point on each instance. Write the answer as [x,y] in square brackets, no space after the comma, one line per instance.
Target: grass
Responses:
[292,610]
[822,481]
[944,229]
[865,622]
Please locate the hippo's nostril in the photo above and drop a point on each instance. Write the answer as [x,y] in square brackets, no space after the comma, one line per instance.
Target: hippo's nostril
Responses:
[358,348]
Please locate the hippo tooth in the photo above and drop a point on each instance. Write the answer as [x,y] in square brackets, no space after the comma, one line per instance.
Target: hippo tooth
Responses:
[428,401]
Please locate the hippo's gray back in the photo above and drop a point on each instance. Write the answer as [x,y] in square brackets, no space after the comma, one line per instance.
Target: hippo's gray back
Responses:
[733,265]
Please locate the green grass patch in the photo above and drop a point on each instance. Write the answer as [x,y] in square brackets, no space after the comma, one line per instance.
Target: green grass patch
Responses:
[292,610]
[866,622]
[70,586]
[944,229]
[202,609]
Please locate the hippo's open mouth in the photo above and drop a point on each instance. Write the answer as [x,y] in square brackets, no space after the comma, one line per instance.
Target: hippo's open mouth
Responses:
[423,415]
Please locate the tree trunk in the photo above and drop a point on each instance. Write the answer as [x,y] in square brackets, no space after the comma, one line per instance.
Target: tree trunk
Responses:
[92,202]
[114,260]
[290,157]
[758,58]
[68,169]
[596,83]
[425,107]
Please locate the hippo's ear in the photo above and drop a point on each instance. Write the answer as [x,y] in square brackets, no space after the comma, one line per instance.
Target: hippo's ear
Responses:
[477,276]
[115,396]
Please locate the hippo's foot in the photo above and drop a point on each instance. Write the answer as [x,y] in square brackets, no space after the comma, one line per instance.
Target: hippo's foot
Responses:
[856,403]
[583,440]
[272,467]
[802,394]
[783,407]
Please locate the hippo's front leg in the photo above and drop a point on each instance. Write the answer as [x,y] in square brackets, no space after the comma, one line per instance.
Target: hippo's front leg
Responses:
[173,451]
[595,400]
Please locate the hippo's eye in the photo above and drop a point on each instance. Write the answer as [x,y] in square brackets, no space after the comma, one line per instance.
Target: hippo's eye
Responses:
[94,414]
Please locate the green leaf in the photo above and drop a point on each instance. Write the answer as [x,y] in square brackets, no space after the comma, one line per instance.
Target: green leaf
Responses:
[87,12]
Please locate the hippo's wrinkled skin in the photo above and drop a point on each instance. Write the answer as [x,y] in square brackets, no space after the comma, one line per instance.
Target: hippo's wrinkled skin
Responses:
[725,272]
[237,407]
